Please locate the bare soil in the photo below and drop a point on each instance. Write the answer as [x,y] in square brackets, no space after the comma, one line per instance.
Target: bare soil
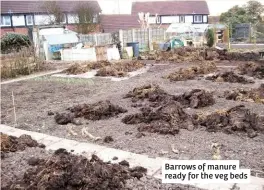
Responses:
[36,168]
[35,98]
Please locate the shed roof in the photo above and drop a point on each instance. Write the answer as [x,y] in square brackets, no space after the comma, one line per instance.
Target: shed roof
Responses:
[57,39]
[171,7]
[113,23]
[39,6]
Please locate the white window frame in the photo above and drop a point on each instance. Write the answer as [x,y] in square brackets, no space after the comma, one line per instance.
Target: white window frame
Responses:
[4,18]
[181,19]
[27,20]
[198,18]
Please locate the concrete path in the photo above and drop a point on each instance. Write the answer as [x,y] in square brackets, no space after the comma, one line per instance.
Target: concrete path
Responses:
[32,76]
[106,154]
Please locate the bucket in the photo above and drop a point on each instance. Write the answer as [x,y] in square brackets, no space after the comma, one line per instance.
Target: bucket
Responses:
[135,46]
[129,51]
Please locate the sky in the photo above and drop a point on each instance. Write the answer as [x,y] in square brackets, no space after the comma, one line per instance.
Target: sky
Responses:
[216,7]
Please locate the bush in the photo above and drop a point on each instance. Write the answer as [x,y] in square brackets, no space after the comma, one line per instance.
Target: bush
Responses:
[210,37]
[14,42]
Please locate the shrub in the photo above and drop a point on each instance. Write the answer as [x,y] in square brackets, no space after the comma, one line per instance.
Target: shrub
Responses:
[14,42]
[210,37]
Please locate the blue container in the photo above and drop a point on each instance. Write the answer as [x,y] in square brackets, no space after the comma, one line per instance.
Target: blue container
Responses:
[135,46]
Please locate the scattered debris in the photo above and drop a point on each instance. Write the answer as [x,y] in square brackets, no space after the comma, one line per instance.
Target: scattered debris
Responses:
[64,170]
[124,163]
[139,135]
[166,119]
[190,73]
[174,150]
[216,151]
[50,113]
[253,95]
[86,133]
[108,139]
[236,119]
[34,161]
[252,69]
[96,111]
[196,98]
[229,76]
[71,132]
[13,144]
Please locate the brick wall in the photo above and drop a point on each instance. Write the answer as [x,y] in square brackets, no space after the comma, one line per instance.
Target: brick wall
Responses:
[16,30]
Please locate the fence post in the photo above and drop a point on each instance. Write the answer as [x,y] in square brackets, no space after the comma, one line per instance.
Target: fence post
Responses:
[133,35]
[164,31]
[121,38]
[95,39]
[150,39]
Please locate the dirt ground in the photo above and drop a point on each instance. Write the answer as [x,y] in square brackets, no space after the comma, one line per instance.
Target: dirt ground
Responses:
[35,98]
[33,165]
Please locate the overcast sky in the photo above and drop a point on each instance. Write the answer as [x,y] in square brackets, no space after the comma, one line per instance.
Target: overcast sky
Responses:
[216,7]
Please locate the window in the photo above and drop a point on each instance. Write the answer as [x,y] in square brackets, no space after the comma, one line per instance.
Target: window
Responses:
[198,18]
[29,19]
[158,19]
[5,21]
[181,19]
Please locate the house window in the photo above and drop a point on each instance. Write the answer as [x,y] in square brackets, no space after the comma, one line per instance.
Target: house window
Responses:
[158,19]
[95,19]
[5,21]
[29,19]
[181,19]
[198,18]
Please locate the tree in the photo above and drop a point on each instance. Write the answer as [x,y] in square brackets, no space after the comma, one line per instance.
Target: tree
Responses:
[54,12]
[254,10]
[210,37]
[86,19]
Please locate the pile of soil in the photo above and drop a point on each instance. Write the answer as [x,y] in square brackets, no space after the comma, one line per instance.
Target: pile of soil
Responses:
[156,96]
[166,119]
[120,69]
[153,93]
[253,95]
[229,76]
[200,54]
[78,68]
[196,98]
[235,120]
[252,69]
[96,111]
[64,170]
[13,144]
[192,72]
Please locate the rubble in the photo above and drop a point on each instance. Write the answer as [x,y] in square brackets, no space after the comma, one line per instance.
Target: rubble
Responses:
[229,76]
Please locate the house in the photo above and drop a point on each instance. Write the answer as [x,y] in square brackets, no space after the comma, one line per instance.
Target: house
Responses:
[167,12]
[21,16]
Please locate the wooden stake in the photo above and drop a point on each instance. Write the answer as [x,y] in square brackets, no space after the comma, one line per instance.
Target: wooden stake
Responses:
[14,108]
